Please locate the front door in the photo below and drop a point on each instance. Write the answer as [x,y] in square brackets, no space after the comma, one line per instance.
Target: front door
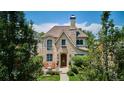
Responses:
[63,60]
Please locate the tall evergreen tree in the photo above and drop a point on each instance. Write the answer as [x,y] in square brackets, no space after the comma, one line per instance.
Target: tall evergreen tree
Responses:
[104,39]
[17,48]
[109,39]
[119,55]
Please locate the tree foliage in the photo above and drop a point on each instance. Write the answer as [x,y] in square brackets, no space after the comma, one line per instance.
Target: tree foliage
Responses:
[18,60]
[105,58]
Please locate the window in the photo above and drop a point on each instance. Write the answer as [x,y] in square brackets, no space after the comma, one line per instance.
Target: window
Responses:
[49,57]
[77,33]
[49,44]
[63,42]
[79,42]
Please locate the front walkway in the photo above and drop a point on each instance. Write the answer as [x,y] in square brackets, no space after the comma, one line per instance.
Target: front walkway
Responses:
[63,74]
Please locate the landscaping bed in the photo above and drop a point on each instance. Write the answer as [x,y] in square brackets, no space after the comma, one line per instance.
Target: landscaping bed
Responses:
[49,76]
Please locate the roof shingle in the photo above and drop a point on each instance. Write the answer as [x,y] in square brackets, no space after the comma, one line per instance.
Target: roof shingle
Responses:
[57,30]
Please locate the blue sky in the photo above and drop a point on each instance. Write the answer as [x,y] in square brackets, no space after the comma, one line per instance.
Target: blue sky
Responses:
[89,20]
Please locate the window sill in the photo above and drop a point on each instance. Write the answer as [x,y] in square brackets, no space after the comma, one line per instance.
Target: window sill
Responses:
[64,46]
[49,49]
[81,45]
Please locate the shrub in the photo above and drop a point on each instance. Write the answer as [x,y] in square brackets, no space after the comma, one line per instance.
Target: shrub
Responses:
[70,73]
[69,63]
[34,67]
[50,72]
[56,72]
[78,60]
[74,70]
[37,59]
[81,60]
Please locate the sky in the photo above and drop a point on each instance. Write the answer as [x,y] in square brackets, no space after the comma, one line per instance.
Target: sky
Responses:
[87,20]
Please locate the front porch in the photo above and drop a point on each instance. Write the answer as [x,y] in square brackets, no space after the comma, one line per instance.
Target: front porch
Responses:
[59,63]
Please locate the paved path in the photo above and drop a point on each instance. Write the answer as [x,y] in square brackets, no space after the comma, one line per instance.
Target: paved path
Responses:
[63,74]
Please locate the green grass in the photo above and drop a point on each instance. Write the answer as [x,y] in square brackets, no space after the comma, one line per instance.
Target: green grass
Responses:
[49,78]
[73,78]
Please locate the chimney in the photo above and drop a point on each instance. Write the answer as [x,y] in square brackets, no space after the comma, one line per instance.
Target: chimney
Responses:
[72,22]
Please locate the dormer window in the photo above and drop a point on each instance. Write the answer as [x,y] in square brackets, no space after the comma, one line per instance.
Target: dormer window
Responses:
[80,42]
[49,44]
[77,33]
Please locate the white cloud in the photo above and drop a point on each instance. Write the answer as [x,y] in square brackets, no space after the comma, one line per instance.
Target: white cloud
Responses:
[44,27]
[120,27]
[94,27]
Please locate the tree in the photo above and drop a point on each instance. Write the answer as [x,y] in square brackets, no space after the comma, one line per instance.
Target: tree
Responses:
[83,69]
[105,58]
[104,39]
[41,36]
[109,38]
[119,55]
[17,48]
[88,67]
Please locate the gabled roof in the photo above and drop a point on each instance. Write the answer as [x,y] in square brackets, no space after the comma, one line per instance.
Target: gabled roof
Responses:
[83,49]
[66,36]
[82,34]
[57,30]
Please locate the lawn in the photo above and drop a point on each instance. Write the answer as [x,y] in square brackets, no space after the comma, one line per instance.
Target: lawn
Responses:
[49,78]
[73,78]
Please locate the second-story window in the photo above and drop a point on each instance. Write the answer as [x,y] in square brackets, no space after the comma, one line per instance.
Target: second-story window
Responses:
[79,42]
[63,42]
[77,34]
[49,44]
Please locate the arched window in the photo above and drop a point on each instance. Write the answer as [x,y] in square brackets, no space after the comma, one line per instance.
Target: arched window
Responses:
[49,44]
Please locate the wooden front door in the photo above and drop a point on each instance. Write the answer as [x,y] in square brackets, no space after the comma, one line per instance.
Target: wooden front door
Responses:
[63,60]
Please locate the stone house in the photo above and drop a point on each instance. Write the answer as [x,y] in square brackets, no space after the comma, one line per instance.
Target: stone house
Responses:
[61,43]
